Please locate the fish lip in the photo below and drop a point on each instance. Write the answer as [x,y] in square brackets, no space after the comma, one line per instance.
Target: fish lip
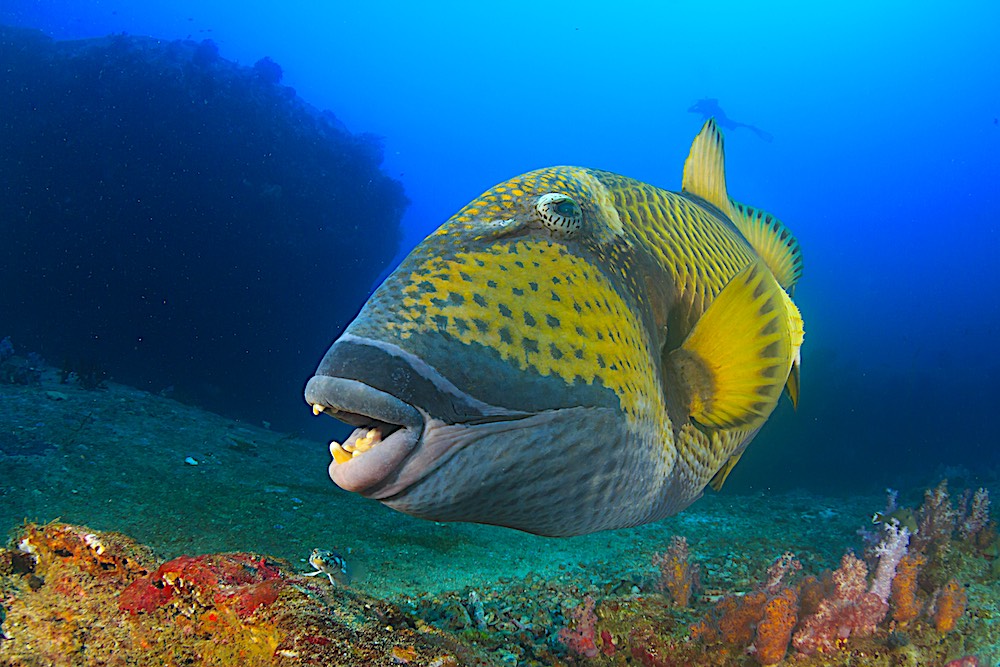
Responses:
[359,404]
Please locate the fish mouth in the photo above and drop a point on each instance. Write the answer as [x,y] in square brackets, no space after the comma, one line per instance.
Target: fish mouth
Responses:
[387,431]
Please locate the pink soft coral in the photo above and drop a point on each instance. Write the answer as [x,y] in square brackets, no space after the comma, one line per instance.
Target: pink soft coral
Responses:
[851,610]
[580,639]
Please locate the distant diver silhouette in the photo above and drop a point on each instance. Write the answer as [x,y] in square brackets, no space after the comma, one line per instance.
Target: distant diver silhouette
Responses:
[709,108]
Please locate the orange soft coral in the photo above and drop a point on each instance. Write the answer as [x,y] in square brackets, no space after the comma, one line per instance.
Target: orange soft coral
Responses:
[950,606]
[740,616]
[905,605]
[775,630]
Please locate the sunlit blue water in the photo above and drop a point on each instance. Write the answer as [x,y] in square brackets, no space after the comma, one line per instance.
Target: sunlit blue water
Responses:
[884,163]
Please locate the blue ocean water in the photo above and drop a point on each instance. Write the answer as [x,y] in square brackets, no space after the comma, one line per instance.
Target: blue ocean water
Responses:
[884,163]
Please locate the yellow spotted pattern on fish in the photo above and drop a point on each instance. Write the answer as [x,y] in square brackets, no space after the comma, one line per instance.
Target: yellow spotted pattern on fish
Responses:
[541,308]
[678,232]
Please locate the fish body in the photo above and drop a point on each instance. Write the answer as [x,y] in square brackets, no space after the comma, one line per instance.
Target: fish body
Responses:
[331,564]
[573,351]
[901,516]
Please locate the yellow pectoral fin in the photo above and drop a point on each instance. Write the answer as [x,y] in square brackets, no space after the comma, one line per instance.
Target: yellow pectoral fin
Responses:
[736,360]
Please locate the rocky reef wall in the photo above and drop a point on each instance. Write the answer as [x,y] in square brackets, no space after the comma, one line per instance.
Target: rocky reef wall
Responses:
[185,222]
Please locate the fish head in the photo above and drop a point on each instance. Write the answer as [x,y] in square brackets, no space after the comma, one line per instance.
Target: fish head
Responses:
[505,372]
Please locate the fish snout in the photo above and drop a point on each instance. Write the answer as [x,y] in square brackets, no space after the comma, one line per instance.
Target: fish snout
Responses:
[389,395]
[386,430]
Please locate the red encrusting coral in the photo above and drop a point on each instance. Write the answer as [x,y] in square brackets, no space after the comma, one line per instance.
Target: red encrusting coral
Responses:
[144,595]
[241,582]
[652,650]
[608,646]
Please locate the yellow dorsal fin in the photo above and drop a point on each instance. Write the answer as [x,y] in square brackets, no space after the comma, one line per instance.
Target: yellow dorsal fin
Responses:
[705,168]
[720,477]
[737,358]
[772,241]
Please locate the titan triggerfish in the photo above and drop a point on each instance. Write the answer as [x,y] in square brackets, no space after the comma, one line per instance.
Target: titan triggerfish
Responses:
[572,351]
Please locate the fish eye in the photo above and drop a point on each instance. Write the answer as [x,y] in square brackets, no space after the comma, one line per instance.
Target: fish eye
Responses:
[560,213]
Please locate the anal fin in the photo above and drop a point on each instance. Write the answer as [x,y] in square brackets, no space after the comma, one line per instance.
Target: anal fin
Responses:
[793,385]
[797,332]
[720,477]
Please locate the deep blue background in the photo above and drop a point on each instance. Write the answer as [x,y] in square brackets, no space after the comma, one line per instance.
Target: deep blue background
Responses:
[884,164]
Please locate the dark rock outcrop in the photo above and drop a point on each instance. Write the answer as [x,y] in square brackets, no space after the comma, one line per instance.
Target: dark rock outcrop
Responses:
[181,220]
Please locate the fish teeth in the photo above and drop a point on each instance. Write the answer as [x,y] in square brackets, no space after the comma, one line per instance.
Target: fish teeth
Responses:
[339,454]
[318,409]
[368,440]
[348,450]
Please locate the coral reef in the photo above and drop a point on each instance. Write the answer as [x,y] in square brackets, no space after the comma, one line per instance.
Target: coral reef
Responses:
[846,610]
[73,596]
[77,597]
[949,606]
[837,618]
[239,582]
